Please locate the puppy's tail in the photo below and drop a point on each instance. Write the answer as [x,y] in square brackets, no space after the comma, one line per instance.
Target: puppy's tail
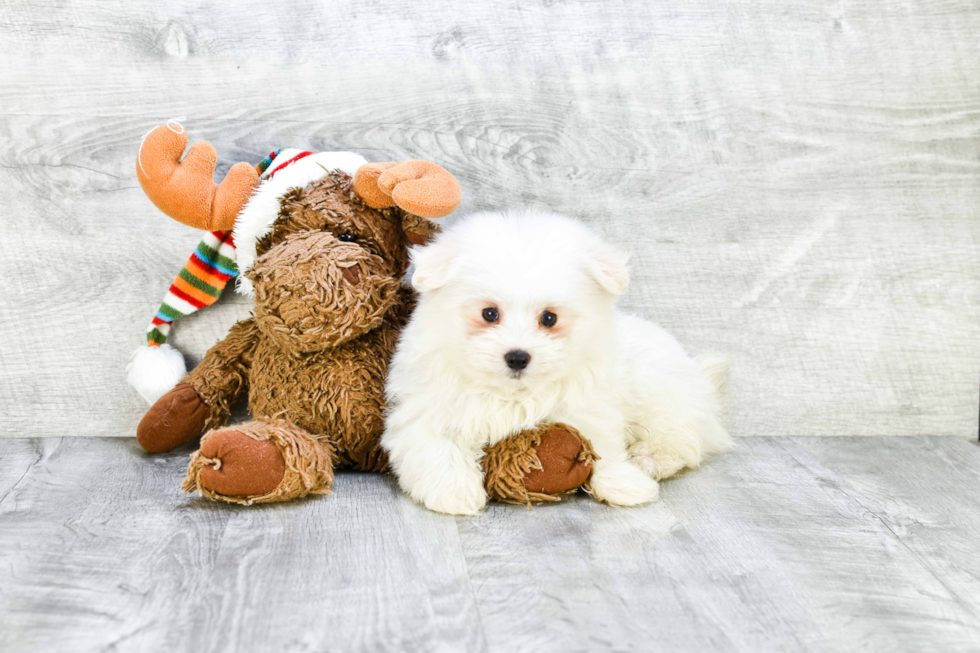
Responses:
[715,437]
[715,367]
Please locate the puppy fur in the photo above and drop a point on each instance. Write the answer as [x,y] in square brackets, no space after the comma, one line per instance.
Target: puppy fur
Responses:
[648,408]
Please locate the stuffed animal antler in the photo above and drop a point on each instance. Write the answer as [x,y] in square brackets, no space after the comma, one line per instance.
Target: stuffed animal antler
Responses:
[419,187]
[185,190]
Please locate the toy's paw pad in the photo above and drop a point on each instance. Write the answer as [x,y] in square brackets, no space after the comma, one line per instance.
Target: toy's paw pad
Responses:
[174,420]
[561,470]
[247,466]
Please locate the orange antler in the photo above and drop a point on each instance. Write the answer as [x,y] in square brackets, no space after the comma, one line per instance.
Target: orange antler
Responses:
[185,190]
[420,187]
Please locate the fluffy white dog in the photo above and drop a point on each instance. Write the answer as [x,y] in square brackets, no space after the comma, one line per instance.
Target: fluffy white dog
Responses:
[517,325]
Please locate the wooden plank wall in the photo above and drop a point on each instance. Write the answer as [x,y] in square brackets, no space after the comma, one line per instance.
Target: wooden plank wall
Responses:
[799,182]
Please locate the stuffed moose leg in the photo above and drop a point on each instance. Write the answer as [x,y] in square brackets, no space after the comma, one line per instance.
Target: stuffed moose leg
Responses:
[205,397]
[322,240]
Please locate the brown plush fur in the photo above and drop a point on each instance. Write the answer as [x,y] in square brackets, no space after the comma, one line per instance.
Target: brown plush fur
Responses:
[314,292]
[221,378]
[419,230]
[338,392]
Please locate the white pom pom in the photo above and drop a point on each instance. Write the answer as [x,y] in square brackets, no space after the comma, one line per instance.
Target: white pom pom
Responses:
[154,371]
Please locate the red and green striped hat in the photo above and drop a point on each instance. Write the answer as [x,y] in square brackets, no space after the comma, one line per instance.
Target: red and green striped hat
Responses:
[198,284]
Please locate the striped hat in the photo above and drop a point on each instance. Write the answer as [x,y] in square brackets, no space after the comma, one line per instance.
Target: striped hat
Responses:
[199,283]
[155,369]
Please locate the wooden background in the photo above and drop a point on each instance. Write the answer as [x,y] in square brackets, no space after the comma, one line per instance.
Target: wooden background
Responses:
[800,182]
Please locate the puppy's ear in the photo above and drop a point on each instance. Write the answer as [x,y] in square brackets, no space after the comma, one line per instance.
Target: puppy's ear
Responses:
[609,266]
[434,265]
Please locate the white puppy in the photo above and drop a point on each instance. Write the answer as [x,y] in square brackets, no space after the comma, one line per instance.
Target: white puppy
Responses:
[516,325]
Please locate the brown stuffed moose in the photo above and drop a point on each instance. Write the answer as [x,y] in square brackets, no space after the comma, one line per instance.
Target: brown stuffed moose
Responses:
[322,241]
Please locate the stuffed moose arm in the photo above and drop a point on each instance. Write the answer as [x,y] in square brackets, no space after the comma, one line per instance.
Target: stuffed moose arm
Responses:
[322,240]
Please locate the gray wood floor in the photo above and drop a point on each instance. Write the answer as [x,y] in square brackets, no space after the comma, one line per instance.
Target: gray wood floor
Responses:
[801,544]
[798,180]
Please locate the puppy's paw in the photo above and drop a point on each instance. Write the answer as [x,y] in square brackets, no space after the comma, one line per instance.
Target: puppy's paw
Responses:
[462,503]
[647,465]
[623,484]
[454,492]
[658,468]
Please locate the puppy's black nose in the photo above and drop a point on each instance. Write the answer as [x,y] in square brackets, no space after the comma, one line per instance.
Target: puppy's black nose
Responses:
[517,359]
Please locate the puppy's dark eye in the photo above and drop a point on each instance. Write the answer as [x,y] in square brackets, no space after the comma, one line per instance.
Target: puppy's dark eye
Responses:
[548,319]
[491,314]
[347,238]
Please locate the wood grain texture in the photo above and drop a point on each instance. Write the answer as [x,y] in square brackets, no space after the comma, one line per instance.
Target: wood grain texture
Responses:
[97,556]
[799,183]
[804,544]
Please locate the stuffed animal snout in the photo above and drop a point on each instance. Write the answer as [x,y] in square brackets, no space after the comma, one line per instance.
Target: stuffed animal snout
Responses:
[314,291]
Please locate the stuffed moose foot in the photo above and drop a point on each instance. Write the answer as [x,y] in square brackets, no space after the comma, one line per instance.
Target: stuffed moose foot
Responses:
[321,242]
[261,461]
